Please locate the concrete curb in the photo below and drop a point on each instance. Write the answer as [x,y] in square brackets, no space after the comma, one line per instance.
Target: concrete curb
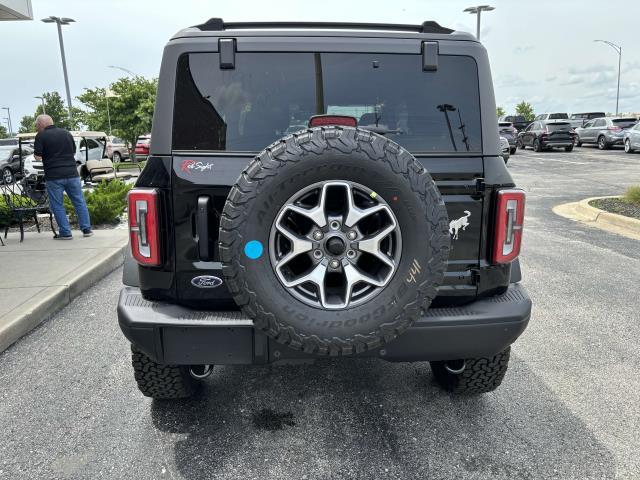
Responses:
[583,212]
[53,299]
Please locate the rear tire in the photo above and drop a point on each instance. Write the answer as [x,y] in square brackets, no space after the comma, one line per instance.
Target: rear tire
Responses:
[480,375]
[602,143]
[627,146]
[577,142]
[117,158]
[537,147]
[162,382]
[520,145]
[513,151]
[568,149]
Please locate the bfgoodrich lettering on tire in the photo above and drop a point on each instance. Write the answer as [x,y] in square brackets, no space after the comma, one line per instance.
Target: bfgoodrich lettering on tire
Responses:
[334,240]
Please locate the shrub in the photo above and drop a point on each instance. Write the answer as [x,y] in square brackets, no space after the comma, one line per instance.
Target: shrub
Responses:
[632,195]
[105,203]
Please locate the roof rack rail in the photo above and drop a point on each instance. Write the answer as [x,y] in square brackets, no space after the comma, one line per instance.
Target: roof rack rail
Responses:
[218,25]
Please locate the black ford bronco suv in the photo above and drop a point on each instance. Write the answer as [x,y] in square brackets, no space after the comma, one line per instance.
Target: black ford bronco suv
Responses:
[317,190]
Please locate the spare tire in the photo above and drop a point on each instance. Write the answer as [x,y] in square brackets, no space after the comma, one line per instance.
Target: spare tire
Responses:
[334,240]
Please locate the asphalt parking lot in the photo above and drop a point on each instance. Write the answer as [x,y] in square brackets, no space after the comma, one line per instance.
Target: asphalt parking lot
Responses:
[567,409]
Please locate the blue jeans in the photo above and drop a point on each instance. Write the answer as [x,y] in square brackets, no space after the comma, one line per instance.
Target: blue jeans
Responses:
[73,187]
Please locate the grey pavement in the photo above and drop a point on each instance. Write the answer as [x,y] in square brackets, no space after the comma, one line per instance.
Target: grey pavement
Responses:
[567,409]
[40,275]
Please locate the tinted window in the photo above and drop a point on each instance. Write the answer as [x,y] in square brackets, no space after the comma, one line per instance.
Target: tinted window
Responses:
[504,124]
[558,127]
[268,94]
[601,122]
[625,122]
[558,116]
[595,115]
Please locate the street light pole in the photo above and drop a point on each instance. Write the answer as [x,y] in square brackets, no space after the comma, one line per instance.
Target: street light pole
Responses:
[44,108]
[9,118]
[618,50]
[59,22]
[478,12]
[126,70]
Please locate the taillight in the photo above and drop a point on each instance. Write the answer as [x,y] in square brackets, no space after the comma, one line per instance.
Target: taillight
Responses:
[508,225]
[614,129]
[144,226]
[322,120]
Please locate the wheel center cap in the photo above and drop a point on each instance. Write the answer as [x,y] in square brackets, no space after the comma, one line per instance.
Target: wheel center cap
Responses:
[335,246]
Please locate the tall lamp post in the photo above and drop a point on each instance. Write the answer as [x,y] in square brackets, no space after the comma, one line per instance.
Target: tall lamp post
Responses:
[59,22]
[618,50]
[478,11]
[44,108]
[8,118]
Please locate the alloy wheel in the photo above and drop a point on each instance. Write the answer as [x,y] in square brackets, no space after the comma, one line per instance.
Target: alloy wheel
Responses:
[335,244]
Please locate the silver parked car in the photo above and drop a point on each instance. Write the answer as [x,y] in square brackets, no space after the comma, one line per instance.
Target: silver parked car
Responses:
[631,139]
[117,149]
[605,132]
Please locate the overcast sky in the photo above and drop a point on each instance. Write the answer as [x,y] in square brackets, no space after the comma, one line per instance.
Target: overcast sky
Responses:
[541,51]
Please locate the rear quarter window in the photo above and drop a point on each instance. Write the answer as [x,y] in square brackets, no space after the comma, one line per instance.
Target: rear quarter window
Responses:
[268,94]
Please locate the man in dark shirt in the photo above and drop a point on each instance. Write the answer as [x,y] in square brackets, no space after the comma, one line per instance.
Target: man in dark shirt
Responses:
[56,148]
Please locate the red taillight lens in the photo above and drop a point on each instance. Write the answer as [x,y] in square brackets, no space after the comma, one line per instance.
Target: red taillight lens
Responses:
[614,129]
[508,225]
[144,226]
[322,120]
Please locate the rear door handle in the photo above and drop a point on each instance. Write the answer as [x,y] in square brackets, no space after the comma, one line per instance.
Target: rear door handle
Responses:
[202,227]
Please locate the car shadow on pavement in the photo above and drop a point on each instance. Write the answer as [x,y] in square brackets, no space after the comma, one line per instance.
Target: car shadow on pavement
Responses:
[372,419]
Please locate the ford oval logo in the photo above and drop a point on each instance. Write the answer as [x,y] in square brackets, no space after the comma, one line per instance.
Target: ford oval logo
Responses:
[206,281]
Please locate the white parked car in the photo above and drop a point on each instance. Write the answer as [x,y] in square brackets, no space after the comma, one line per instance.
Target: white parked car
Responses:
[505,148]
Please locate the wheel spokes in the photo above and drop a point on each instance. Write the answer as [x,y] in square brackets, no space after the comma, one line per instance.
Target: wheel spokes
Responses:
[315,276]
[371,245]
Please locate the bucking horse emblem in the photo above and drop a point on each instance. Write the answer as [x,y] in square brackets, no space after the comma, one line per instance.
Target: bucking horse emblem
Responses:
[460,223]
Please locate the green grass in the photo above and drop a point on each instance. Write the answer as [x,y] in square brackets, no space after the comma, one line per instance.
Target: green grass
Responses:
[632,195]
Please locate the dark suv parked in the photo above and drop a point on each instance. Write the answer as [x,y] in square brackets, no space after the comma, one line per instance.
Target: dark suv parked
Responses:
[386,225]
[546,135]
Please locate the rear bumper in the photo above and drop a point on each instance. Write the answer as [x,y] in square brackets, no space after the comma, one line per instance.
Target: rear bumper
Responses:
[560,143]
[177,335]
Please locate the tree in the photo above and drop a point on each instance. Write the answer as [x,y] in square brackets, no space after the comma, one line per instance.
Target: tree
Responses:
[500,112]
[526,110]
[54,106]
[131,104]
[27,124]
[3,132]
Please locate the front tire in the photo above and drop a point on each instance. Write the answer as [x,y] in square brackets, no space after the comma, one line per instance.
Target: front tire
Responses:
[162,382]
[513,151]
[117,158]
[627,146]
[568,149]
[480,375]
[520,145]
[7,176]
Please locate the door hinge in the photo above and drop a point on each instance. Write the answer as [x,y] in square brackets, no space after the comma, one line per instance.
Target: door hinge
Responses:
[480,185]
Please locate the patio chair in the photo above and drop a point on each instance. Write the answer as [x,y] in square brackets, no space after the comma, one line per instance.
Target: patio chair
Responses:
[26,200]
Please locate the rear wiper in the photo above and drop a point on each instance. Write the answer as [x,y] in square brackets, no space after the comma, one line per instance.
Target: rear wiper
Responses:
[445,108]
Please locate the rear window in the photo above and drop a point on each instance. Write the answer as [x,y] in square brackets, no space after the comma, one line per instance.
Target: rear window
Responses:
[558,126]
[595,115]
[504,124]
[269,94]
[625,122]
[554,116]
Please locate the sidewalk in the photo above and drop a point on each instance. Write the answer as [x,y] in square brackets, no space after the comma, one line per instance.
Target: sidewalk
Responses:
[40,276]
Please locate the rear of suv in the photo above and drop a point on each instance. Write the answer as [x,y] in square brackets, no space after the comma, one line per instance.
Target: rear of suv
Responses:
[319,190]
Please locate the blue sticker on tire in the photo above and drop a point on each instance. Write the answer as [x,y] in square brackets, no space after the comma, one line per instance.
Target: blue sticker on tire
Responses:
[253,249]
